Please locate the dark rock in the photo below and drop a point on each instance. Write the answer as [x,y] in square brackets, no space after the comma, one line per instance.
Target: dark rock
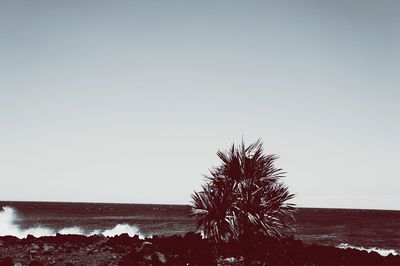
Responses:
[48,248]
[190,249]
[35,263]
[8,261]
[30,238]
[160,257]
[124,240]
[9,240]
[34,246]
[132,258]
[146,247]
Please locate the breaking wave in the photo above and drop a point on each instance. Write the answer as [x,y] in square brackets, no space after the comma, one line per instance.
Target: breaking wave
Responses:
[380,251]
[8,216]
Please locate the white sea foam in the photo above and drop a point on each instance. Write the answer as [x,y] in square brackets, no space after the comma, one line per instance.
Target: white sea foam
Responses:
[75,230]
[120,229]
[8,217]
[380,251]
[8,227]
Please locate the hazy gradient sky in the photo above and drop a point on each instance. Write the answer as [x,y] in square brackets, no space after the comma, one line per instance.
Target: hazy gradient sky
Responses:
[124,101]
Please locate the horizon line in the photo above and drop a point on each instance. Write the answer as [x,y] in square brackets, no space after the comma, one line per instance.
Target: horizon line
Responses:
[182,204]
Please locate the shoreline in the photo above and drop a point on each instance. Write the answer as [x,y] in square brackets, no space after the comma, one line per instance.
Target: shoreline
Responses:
[175,250]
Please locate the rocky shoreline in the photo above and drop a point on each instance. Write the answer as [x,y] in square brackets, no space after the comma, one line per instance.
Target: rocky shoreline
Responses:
[189,249]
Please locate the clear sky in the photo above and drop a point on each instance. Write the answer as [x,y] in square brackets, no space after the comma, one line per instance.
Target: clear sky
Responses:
[124,101]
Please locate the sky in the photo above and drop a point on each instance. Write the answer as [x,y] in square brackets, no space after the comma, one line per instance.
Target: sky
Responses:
[129,101]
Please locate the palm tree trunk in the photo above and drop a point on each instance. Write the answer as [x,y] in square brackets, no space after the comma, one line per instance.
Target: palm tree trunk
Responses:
[245,244]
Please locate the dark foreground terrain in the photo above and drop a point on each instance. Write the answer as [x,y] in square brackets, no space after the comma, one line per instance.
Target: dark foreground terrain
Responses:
[190,249]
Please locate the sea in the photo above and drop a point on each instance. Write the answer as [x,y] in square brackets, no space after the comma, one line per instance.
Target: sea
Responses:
[370,230]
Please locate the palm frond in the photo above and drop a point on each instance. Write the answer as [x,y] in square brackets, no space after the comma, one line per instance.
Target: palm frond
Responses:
[243,193]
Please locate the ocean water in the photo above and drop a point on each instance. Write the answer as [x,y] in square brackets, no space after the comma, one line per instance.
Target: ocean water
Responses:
[370,230]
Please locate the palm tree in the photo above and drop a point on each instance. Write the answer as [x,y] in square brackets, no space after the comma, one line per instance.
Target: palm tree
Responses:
[243,196]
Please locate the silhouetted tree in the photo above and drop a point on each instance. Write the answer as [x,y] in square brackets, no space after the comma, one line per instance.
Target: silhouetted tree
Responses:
[243,197]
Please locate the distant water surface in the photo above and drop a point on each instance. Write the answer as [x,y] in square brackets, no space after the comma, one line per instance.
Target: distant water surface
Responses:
[363,229]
